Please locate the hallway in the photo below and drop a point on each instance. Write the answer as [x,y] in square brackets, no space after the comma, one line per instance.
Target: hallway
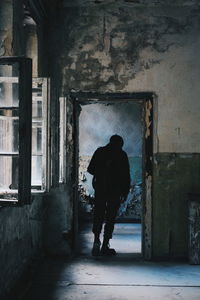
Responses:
[124,277]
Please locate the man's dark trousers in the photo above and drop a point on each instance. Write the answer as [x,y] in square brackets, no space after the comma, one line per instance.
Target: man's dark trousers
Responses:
[105,209]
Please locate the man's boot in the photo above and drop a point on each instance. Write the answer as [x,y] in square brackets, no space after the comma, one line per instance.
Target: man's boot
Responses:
[106,250]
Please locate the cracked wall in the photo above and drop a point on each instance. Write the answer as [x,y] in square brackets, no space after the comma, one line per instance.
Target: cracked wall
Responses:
[6,21]
[21,227]
[138,47]
[129,50]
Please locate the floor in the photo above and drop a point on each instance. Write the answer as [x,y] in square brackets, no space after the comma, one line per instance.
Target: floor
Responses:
[123,277]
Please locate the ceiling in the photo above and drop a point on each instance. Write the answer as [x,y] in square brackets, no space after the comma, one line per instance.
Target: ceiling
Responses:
[83,3]
[41,9]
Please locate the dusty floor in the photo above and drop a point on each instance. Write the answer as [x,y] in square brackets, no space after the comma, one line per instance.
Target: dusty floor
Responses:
[123,277]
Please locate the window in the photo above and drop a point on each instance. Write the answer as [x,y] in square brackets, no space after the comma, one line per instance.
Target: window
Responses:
[62,140]
[40,135]
[15,130]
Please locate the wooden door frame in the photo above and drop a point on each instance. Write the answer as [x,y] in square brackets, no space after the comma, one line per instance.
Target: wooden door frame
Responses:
[83,98]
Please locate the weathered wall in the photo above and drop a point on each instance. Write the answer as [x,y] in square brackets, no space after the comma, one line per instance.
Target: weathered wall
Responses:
[175,175]
[21,234]
[58,222]
[153,46]
[117,47]
[139,49]
[21,228]
[11,22]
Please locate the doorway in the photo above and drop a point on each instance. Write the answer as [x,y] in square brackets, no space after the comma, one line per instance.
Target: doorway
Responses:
[129,115]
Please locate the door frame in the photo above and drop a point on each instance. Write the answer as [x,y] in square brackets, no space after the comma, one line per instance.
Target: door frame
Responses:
[147,98]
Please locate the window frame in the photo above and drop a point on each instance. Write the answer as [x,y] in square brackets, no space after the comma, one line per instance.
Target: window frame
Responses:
[62,140]
[46,162]
[25,132]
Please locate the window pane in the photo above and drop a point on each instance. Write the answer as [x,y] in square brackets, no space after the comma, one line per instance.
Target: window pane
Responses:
[9,128]
[9,89]
[36,171]
[15,129]
[62,140]
[37,108]
[37,163]
[9,131]
[37,134]
[37,138]
[9,173]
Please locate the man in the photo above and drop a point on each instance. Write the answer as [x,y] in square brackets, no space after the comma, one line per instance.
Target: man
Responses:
[111,181]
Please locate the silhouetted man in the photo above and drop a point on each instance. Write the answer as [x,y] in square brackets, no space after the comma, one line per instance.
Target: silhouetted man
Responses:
[111,182]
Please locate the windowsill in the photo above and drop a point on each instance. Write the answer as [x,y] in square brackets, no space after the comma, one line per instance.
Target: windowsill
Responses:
[12,202]
[7,201]
[8,192]
[12,193]
[38,192]
[8,196]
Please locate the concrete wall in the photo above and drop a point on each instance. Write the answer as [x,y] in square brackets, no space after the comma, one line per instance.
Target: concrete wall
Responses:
[139,49]
[144,46]
[113,47]
[175,175]
[27,232]
[21,228]
[21,232]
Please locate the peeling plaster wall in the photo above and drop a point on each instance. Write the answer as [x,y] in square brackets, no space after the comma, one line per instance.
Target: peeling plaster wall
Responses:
[6,33]
[174,176]
[133,46]
[139,49]
[11,28]
[21,228]
[21,235]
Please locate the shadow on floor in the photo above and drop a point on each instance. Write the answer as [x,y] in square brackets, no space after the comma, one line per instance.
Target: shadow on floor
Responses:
[123,277]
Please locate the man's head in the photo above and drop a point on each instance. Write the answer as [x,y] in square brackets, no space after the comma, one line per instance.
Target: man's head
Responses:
[116,141]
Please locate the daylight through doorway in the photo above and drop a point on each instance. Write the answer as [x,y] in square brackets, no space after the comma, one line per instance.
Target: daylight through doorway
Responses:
[97,123]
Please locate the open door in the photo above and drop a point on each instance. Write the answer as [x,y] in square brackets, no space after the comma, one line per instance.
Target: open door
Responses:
[73,104]
[69,115]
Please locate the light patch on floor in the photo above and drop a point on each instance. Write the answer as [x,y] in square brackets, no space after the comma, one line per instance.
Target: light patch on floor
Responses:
[123,277]
[126,239]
